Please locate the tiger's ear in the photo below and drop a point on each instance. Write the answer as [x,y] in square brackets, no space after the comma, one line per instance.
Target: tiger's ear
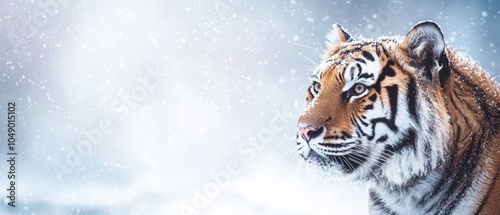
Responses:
[425,46]
[338,34]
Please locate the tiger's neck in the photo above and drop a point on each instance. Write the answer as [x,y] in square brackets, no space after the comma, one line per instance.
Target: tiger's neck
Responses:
[473,103]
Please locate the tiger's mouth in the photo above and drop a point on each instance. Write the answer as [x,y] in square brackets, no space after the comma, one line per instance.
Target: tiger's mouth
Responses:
[346,156]
[326,149]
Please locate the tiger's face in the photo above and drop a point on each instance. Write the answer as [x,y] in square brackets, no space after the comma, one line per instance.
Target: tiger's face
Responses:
[361,110]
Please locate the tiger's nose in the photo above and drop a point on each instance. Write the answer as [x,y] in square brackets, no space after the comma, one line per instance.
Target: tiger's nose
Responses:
[310,132]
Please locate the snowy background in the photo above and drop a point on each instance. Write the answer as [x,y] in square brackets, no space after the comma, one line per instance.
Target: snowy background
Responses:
[159,107]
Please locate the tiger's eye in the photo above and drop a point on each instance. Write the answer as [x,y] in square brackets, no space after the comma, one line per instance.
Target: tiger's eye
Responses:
[359,88]
[317,87]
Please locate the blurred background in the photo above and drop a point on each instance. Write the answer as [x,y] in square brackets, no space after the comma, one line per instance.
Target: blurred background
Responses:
[186,107]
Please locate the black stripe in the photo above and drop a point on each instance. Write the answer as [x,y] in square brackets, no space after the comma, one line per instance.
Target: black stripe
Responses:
[346,35]
[392,92]
[368,55]
[386,53]
[345,96]
[377,201]
[445,72]
[428,64]
[382,139]
[368,107]
[360,60]
[360,130]
[412,100]
[337,78]
[331,137]
[352,73]
[386,71]
[349,51]
[373,97]
[409,140]
[346,134]
[351,119]
[342,74]
[365,76]
[322,74]
[363,122]
[359,69]
[377,49]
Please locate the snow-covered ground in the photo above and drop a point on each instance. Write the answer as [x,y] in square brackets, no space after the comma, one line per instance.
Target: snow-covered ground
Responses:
[185,107]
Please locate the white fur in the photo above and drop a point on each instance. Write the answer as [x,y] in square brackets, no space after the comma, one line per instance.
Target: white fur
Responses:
[332,37]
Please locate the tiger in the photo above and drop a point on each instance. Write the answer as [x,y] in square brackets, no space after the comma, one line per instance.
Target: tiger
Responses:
[412,118]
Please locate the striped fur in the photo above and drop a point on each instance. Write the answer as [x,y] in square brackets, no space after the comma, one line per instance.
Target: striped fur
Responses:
[417,121]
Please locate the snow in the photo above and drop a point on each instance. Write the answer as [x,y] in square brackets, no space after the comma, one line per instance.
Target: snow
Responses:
[143,102]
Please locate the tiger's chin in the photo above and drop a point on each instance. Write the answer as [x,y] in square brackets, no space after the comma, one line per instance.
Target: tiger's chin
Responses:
[335,166]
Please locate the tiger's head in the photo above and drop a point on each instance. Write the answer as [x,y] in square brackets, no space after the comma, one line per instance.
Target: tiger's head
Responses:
[374,108]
